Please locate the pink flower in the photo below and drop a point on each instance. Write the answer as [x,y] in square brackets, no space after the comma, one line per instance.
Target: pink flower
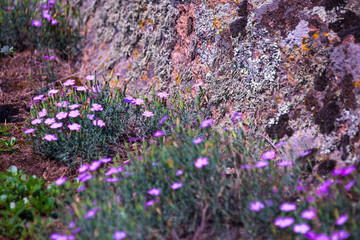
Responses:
[43,113]
[198,140]
[340,235]
[83,168]
[94,165]
[90,77]
[308,214]
[342,219]
[81,88]
[301,228]
[261,164]
[154,192]
[118,235]
[36,121]
[285,163]
[74,127]
[283,222]
[280,144]
[36,23]
[91,116]
[138,101]
[349,185]
[305,153]
[159,133]
[322,236]
[163,119]
[61,115]
[96,107]
[50,137]
[37,98]
[176,185]
[268,155]
[74,113]
[112,171]
[74,106]
[148,114]
[99,123]
[30,130]
[106,160]
[179,172]
[53,91]
[287,207]
[206,123]
[163,95]
[56,125]
[49,121]
[60,181]
[111,180]
[256,206]
[91,213]
[69,82]
[200,162]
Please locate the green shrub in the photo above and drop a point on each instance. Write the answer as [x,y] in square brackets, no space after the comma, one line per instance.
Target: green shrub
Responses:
[35,23]
[90,121]
[23,200]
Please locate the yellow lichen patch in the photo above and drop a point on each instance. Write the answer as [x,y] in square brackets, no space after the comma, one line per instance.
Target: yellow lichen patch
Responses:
[177,79]
[141,23]
[316,35]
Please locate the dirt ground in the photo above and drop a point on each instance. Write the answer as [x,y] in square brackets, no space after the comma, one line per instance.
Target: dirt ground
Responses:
[16,92]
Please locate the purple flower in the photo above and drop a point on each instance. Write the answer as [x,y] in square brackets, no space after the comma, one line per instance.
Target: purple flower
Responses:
[61,115]
[52,92]
[57,236]
[52,57]
[37,98]
[69,82]
[149,203]
[111,180]
[198,140]
[36,23]
[91,116]
[285,163]
[179,172]
[200,162]
[342,234]
[310,235]
[342,220]
[74,113]
[159,133]
[71,224]
[94,165]
[118,235]
[50,137]
[308,214]
[163,95]
[96,107]
[106,160]
[268,155]
[176,185]
[86,178]
[280,144]
[43,113]
[349,185]
[206,123]
[30,130]
[283,222]
[322,236]
[234,118]
[256,206]
[305,153]
[138,101]
[154,192]
[91,213]
[90,77]
[74,127]
[112,171]
[36,121]
[301,228]
[163,119]
[81,188]
[246,166]
[56,125]
[60,181]
[287,207]
[261,164]
[348,170]
[148,114]
[323,188]
[62,104]
[129,100]
[83,168]
[74,106]
[99,123]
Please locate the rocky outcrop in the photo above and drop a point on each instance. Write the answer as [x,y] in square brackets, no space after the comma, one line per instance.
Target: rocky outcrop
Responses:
[293,66]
